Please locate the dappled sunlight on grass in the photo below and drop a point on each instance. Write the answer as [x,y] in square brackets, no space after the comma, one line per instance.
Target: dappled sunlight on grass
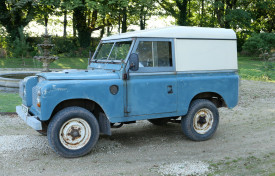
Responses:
[253,69]
[61,63]
[8,101]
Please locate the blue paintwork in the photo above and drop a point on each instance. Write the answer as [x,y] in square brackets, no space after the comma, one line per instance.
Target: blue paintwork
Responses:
[189,85]
[149,94]
[81,75]
[95,87]
[145,95]
[30,82]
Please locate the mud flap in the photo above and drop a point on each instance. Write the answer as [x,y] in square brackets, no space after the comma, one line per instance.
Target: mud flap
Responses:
[104,124]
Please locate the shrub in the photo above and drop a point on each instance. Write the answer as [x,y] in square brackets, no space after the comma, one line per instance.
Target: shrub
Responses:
[3,46]
[19,47]
[259,43]
[65,46]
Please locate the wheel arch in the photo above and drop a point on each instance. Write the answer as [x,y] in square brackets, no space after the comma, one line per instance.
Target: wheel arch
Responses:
[90,105]
[214,97]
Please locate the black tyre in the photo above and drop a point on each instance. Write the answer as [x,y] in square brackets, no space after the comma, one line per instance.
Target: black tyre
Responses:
[44,129]
[201,121]
[159,122]
[42,132]
[73,132]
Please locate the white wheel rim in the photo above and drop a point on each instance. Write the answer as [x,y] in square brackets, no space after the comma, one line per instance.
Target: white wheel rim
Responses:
[203,121]
[75,133]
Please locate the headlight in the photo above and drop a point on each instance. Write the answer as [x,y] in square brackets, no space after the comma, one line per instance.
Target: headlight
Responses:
[39,92]
[24,91]
[40,79]
[38,100]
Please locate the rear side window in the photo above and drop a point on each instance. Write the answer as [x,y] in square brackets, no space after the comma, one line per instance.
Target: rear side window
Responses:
[155,53]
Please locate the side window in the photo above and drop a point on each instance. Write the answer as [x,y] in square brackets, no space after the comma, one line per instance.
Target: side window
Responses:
[155,53]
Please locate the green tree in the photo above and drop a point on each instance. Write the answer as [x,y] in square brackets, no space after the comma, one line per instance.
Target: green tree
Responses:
[259,43]
[176,8]
[16,14]
[263,14]
[88,18]
[45,9]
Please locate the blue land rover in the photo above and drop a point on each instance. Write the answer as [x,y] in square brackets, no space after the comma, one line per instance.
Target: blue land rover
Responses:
[174,74]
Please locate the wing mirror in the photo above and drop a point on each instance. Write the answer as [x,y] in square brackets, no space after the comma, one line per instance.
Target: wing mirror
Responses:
[133,62]
[133,65]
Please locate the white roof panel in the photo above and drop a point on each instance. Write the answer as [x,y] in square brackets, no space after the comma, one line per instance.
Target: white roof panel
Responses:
[179,32]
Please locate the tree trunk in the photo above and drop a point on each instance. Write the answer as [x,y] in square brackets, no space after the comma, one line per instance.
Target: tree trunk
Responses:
[189,8]
[46,18]
[65,24]
[227,10]
[142,19]
[74,28]
[220,11]
[84,32]
[119,23]
[103,29]
[182,20]
[124,20]
[202,13]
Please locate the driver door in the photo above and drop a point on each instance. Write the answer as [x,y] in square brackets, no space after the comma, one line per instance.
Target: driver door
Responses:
[153,88]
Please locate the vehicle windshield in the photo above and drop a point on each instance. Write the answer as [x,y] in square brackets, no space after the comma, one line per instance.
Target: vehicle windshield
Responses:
[113,51]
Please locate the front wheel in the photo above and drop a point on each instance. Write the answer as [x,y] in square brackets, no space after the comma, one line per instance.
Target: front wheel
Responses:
[201,121]
[73,132]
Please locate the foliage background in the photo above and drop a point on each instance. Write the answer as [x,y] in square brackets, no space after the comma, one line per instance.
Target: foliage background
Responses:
[248,18]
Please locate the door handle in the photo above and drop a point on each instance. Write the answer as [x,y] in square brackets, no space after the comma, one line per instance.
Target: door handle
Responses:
[169,89]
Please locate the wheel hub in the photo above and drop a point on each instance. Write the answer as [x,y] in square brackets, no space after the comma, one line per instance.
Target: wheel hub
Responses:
[203,121]
[75,134]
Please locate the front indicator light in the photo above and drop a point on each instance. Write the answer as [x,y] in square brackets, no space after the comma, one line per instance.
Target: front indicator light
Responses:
[38,102]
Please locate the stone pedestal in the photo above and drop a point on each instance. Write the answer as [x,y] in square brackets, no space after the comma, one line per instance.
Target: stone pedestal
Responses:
[46,46]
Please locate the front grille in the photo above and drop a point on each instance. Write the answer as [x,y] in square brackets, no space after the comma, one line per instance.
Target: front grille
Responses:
[34,95]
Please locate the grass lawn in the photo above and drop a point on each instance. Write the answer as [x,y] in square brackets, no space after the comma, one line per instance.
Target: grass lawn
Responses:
[254,69]
[248,69]
[61,63]
[250,165]
[8,101]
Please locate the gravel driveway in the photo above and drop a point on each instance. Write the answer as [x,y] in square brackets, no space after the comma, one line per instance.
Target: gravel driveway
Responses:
[145,149]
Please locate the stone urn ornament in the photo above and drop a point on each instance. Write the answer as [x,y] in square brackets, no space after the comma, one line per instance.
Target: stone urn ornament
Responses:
[46,47]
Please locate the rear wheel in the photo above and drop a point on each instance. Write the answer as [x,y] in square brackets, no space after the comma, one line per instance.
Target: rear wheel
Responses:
[73,132]
[201,121]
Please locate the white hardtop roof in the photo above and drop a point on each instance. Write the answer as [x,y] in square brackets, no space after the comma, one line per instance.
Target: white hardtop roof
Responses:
[179,32]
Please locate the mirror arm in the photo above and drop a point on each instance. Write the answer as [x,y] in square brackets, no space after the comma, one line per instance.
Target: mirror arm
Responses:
[126,75]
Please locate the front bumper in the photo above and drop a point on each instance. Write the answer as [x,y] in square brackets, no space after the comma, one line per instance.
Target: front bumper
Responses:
[30,120]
